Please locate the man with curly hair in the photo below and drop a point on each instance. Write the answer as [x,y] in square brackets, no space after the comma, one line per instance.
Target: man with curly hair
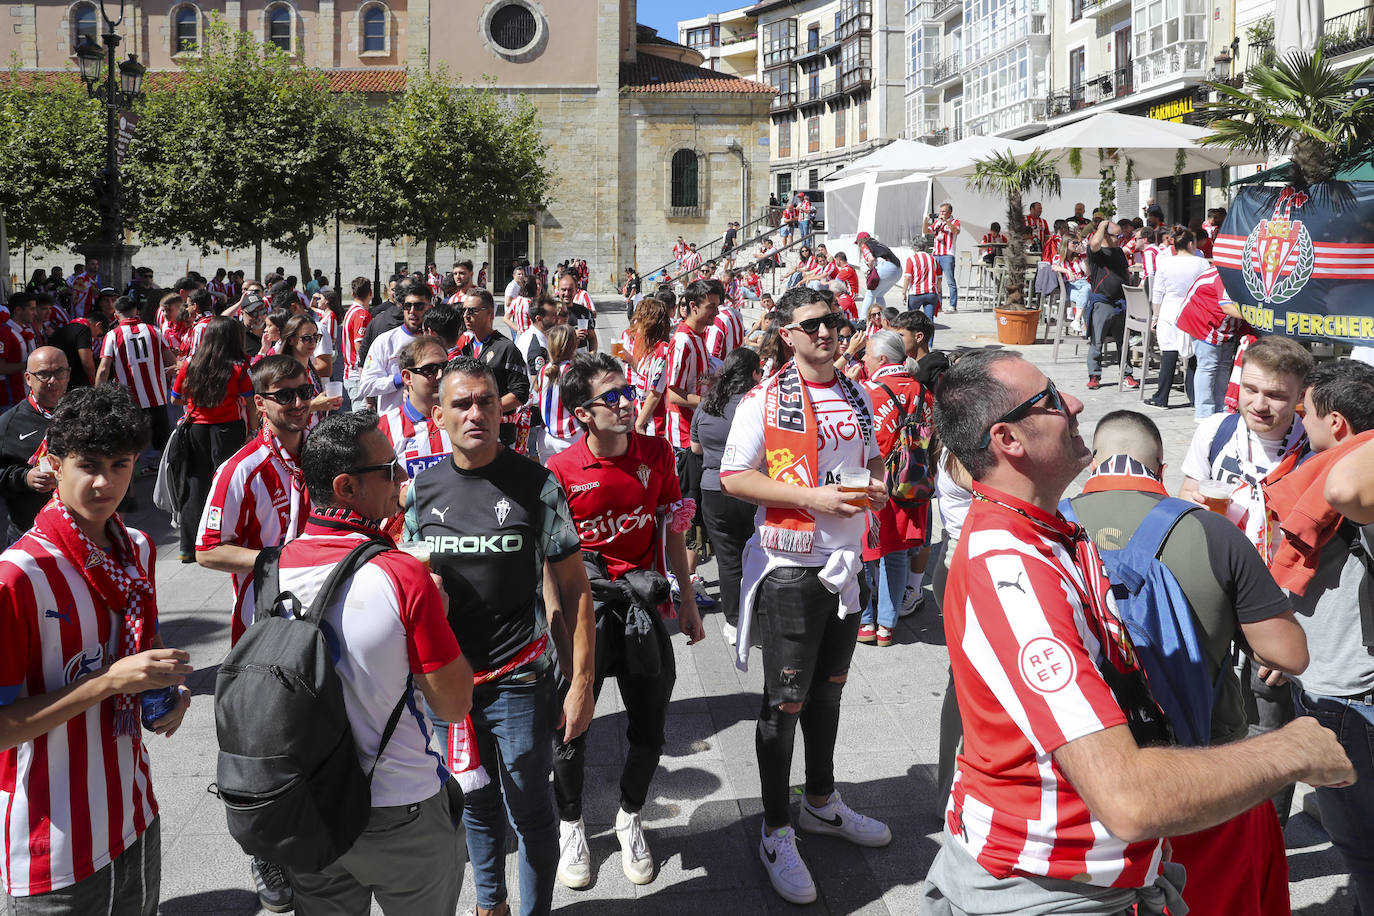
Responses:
[81,659]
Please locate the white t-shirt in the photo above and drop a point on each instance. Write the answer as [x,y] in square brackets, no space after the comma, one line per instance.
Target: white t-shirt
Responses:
[1243,461]
[842,445]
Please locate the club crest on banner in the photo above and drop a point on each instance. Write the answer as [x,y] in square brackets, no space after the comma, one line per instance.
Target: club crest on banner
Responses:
[1278,256]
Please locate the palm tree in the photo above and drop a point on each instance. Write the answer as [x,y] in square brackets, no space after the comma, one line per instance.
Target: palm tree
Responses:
[1003,174]
[1300,106]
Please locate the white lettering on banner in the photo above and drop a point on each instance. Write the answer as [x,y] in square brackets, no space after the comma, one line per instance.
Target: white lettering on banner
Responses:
[472,543]
[416,465]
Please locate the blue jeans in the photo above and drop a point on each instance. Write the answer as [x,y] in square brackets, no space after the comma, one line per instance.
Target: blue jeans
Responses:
[1212,375]
[888,275]
[946,262]
[928,303]
[1348,813]
[887,580]
[514,719]
[803,228]
[1078,294]
[794,279]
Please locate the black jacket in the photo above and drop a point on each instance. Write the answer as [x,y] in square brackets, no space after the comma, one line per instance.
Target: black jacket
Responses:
[503,357]
[21,432]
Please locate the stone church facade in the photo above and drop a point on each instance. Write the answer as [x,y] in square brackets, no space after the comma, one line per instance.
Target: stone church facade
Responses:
[644,143]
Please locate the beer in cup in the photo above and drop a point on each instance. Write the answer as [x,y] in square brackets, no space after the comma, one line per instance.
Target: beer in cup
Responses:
[1215,495]
[855,480]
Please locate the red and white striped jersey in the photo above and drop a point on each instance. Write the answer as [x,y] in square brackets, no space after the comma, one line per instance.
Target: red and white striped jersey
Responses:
[355,322]
[257,500]
[84,289]
[1030,618]
[1149,258]
[136,351]
[57,319]
[328,328]
[197,334]
[518,314]
[175,334]
[691,260]
[992,237]
[219,292]
[77,796]
[679,250]
[584,299]
[1074,264]
[922,274]
[1040,226]
[419,442]
[727,333]
[811,265]
[946,233]
[649,375]
[558,419]
[16,343]
[1050,250]
[687,370]
[1202,317]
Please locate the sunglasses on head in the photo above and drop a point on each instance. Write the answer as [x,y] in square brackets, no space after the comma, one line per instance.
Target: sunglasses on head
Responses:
[1020,410]
[613,397]
[429,370]
[288,396]
[832,320]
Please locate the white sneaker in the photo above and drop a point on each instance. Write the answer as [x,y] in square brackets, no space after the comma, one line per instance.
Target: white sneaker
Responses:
[731,632]
[574,859]
[786,871]
[838,819]
[635,857]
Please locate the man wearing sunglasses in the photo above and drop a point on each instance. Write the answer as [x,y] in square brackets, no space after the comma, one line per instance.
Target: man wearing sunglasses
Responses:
[258,499]
[418,441]
[23,427]
[497,524]
[1052,695]
[619,483]
[802,581]
[499,354]
[381,379]
[394,641]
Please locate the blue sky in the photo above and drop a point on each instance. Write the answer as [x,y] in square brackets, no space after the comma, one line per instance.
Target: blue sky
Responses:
[664,14]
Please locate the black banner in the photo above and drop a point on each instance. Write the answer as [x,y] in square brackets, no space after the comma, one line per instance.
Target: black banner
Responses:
[1301,263]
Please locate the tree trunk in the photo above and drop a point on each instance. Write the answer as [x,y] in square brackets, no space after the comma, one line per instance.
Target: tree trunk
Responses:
[432,253]
[304,252]
[257,260]
[1016,252]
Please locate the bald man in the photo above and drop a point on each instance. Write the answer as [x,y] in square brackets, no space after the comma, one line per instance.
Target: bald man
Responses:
[22,429]
[1230,592]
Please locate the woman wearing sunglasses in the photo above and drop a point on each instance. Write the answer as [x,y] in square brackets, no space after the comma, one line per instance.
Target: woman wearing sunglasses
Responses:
[300,339]
[220,409]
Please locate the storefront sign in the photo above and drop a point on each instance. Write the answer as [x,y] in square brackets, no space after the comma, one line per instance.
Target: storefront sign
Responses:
[1172,109]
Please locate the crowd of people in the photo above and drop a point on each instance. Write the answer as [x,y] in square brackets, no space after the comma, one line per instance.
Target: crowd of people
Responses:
[542,497]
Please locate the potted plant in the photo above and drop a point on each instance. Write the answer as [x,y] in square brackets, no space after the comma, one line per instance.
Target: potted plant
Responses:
[1002,174]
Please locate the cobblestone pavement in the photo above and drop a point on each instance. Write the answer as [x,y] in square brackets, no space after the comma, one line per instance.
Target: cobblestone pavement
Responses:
[703,816]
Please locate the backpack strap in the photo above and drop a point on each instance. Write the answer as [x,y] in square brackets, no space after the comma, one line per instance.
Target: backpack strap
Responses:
[1224,432]
[1152,531]
[356,559]
[266,582]
[392,722]
[898,401]
[1366,599]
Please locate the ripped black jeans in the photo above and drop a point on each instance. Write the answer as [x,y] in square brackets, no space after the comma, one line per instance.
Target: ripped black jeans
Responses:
[805,644]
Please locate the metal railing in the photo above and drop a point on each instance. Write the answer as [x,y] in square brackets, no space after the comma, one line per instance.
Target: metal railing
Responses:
[1101,88]
[747,235]
[784,100]
[935,9]
[822,44]
[1352,31]
[945,68]
[934,134]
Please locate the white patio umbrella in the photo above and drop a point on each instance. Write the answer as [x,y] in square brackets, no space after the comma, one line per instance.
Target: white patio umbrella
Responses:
[1151,146]
[898,158]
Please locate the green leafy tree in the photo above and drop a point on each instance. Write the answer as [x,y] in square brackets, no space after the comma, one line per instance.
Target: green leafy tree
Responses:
[1002,174]
[242,148]
[52,150]
[450,165]
[1302,107]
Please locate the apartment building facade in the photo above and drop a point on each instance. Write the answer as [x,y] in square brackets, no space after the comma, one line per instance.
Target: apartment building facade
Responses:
[727,42]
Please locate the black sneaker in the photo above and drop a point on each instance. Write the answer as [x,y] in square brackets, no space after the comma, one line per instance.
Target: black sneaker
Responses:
[274,890]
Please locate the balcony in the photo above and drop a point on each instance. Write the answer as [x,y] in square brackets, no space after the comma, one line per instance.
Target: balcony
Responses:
[857,18]
[1103,7]
[940,10]
[741,45]
[785,100]
[859,76]
[933,133]
[809,96]
[1104,87]
[820,44]
[945,70]
[1348,32]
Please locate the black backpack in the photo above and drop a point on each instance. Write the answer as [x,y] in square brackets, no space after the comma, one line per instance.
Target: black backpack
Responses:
[288,772]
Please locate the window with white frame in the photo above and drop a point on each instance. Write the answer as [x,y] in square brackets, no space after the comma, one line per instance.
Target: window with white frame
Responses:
[1170,38]
[185,29]
[281,27]
[990,26]
[1005,91]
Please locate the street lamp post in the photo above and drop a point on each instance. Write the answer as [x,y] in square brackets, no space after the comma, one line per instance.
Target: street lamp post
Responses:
[119,90]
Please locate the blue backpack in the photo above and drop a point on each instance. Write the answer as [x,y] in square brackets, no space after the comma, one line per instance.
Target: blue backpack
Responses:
[1159,619]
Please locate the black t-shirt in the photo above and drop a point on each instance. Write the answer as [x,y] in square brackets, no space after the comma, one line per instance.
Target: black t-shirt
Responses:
[1108,271]
[71,339]
[930,367]
[490,531]
[503,357]
[728,243]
